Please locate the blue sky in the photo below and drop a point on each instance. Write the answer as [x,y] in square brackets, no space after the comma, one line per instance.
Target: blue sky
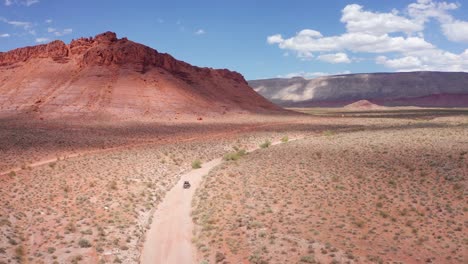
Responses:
[261,39]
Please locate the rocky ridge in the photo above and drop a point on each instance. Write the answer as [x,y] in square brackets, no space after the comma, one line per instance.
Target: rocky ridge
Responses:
[105,74]
[441,89]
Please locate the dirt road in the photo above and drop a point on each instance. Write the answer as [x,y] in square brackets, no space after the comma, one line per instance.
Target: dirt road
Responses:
[169,238]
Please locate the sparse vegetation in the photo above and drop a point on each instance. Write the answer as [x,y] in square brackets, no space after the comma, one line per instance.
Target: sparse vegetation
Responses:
[330,195]
[196,164]
[84,243]
[232,156]
[328,133]
[265,144]
[313,197]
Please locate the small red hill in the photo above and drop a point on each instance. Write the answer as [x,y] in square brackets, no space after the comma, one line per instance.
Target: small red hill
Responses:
[105,75]
[363,105]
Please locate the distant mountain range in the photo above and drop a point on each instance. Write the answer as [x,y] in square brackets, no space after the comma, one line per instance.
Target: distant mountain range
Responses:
[108,76]
[428,89]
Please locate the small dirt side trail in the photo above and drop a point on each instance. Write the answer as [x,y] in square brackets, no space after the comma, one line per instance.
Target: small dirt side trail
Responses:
[165,141]
[169,239]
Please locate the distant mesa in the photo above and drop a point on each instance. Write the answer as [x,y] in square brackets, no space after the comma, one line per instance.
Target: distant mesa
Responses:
[105,75]
[426,89]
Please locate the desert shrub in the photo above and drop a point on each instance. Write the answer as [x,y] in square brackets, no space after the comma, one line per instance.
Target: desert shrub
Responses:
[219,257]
[12,174]
[383,214]
[231,156]
[235,155]
[308,259]
[12,242]
[257,259]
[265,144]
[285,139]
[84,243]
[77,259]
[113,185]
[19,251]
[51,250]
[70,228]
[124,247]
[196,164]
[328,133]
[375,259]
[66,188]
[241,152]
[359,223]
[87,232]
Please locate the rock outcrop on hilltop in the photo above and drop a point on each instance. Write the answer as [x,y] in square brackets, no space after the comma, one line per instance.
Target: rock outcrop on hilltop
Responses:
[55,49]
[108,75]
[438,89]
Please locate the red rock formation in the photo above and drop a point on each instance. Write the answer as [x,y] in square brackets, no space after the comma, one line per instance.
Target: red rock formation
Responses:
[105,74]
[363,105]
[54,49]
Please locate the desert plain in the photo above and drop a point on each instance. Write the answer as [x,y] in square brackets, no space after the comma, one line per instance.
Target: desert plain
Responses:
[342,186]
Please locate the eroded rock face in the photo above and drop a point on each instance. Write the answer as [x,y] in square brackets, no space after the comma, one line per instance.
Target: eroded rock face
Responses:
[103,49]
[55,49]
[405,88]
[106,37]
[118,76]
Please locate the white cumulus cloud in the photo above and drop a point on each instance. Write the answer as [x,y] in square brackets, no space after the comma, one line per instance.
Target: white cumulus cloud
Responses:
[274,39]
[59,33]
[311,75]
[63,32]
[358,20]
[21,2]
[42,40]
[397,37]
[339,57]
[200,32]
[423,10]
[356,42]
[456,31]
[23,24]
[409,62]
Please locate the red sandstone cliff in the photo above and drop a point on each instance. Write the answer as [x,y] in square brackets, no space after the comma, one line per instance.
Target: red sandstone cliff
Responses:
[115,76]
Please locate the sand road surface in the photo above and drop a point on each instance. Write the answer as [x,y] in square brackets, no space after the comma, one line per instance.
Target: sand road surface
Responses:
[170,235]
[169,239]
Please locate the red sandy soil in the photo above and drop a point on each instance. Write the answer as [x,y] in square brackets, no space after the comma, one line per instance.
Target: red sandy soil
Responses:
[96,206]
[393,192]
[106,76]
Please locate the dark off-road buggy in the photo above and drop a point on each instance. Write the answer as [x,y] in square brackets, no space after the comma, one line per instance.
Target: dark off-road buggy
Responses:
[186,184]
